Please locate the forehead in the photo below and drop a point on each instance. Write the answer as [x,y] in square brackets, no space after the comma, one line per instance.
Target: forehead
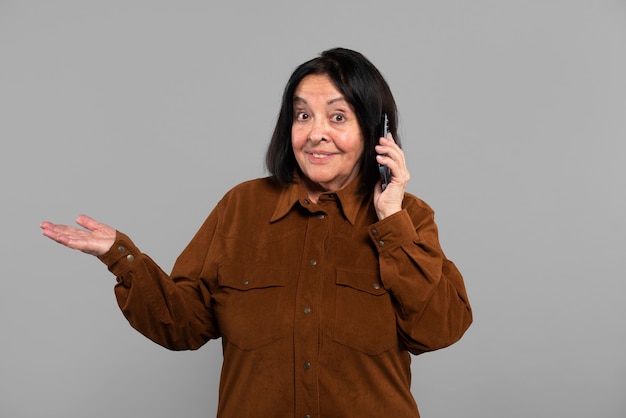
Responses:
[318,87]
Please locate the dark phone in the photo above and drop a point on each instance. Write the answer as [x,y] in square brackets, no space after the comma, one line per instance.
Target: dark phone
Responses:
[385,174]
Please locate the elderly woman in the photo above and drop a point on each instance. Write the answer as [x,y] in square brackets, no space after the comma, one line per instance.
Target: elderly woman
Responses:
[319,282]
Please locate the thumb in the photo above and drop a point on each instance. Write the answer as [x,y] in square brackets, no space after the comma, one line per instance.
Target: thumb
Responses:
[87,222]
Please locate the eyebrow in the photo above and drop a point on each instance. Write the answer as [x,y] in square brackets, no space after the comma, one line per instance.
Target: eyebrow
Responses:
[298,99]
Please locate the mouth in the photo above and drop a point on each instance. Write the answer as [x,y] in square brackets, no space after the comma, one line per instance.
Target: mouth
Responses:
[319,157]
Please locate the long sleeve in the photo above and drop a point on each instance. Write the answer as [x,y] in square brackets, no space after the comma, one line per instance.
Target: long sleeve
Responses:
[431,303]
[172,310]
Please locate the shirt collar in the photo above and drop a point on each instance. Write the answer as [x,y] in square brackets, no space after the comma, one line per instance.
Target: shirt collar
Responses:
[350,200]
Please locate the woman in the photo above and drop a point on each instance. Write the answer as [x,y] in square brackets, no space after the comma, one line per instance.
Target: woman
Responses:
[319,283]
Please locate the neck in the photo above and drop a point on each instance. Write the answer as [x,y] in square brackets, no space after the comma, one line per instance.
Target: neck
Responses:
[312,192]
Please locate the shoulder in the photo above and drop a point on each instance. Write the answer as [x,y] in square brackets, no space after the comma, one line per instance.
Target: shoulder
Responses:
[252,191]
[254,186]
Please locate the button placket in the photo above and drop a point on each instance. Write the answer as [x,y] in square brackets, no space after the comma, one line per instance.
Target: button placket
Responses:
[307,326]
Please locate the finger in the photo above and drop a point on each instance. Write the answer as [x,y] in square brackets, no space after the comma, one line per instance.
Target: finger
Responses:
[397,165]
[73,238]
[46,225]
[62,233]
[56,233]
[49,229]
[385,160]
[393,157]
[388,137]
[387,145]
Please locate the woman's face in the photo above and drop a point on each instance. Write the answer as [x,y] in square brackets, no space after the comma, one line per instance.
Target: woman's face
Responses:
[326,136]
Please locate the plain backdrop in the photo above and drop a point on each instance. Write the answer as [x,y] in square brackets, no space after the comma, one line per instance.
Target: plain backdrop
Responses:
[143,113]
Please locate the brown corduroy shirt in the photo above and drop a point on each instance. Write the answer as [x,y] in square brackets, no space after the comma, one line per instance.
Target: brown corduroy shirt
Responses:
[318,304]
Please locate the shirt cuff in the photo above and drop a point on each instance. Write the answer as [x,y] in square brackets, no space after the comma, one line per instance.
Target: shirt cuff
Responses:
[121,257]
[393,231]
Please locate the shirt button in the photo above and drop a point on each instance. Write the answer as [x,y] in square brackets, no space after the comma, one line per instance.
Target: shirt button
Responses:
[381,243]
[121,249]
[307,416]
[307,310]
[320,216]
[130,258]
[376,286]
[313,262]
[246,282]
[307,365]
[307,201]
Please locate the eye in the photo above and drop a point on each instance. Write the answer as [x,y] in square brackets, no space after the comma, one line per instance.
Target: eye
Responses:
[301,116]
[338,117]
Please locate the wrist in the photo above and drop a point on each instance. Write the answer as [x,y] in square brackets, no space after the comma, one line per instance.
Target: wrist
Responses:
[387,212]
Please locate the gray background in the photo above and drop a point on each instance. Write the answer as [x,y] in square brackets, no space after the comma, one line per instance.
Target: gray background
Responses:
[143,113]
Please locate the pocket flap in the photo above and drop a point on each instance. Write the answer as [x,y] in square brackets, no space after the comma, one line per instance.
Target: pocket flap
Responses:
[248,277]
[363,280]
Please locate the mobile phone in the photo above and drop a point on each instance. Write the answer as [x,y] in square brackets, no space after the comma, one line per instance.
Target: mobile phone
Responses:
[385,174]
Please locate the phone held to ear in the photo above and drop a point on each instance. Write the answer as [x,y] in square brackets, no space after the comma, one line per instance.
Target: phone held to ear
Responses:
[385,174]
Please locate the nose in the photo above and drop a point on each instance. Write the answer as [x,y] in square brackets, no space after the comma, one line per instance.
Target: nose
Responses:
[319,130]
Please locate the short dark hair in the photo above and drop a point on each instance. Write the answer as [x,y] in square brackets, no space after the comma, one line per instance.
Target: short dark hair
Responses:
[363,86]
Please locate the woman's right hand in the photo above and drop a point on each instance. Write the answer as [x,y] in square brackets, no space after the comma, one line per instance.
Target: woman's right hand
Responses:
[96,239]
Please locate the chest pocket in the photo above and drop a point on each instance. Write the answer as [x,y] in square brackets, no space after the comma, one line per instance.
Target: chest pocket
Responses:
[364,316]
[249,303]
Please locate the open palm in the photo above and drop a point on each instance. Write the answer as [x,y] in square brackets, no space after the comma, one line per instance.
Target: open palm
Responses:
[95,239]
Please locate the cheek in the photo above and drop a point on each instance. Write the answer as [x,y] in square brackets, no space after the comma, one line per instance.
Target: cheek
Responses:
[354,146]
[360,147]
[297,139]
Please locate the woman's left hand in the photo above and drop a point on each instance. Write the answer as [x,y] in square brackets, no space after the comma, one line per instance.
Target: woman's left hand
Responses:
[389,201]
